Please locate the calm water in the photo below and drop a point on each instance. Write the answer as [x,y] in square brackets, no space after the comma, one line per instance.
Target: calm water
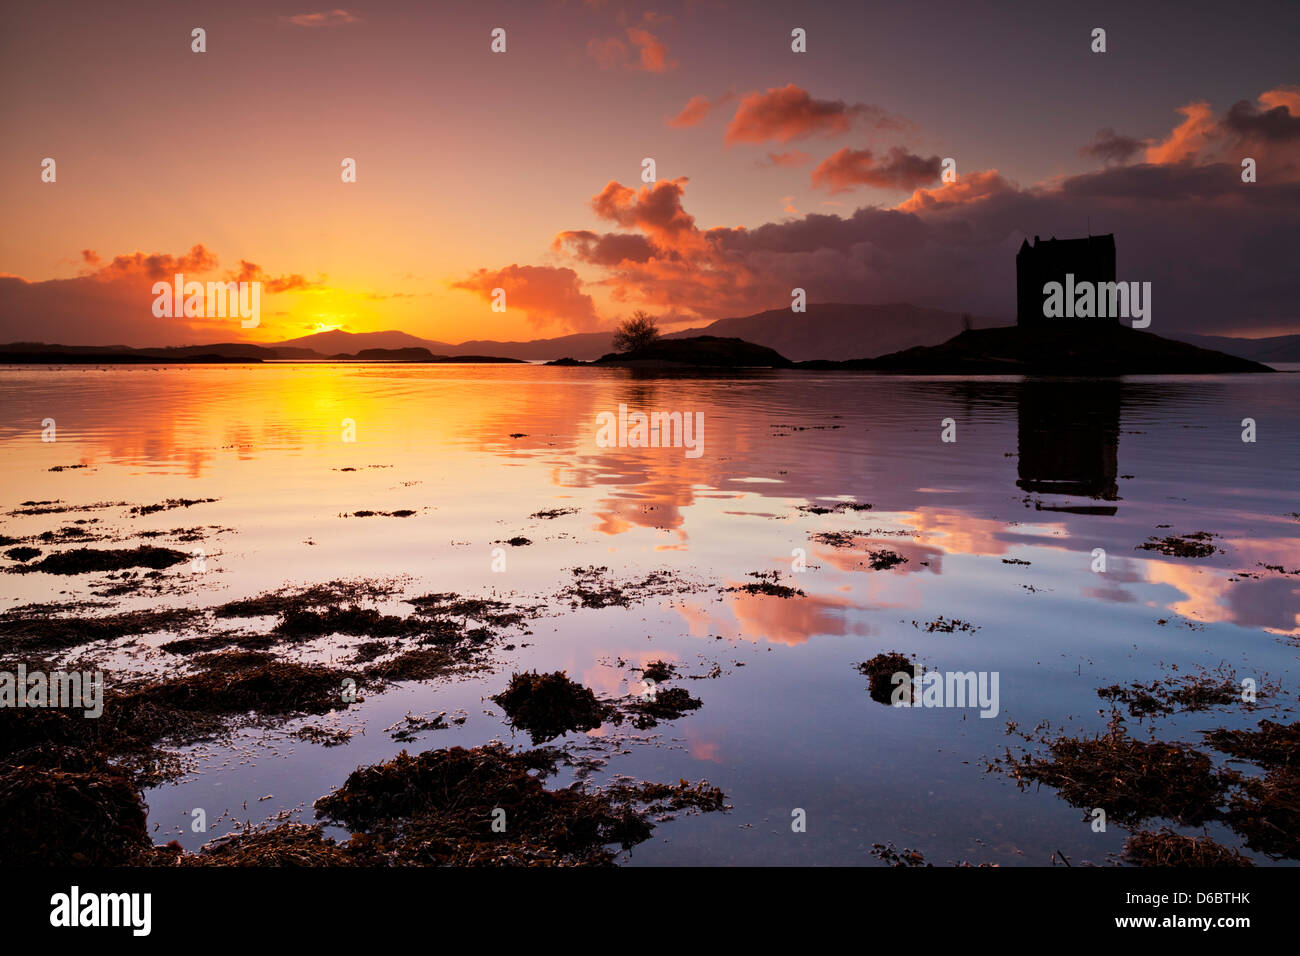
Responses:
[1040,472]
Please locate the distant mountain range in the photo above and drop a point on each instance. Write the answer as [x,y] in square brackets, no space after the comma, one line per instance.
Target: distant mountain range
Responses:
[36,353]
[580,345]
[829,331]
[338,341]
[833,330]
[826,330]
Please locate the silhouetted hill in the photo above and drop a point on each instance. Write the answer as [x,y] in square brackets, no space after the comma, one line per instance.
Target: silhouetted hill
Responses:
[824,332]
[338,342]
[585,345]
[37,353]
[100,355]
[702,350]
[416,355]
[1097,349]
[1275,348]
[387,355]
[231,351]
[828,330]
[228,349]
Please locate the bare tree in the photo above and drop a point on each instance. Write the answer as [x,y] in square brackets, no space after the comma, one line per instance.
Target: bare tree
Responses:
[635,333]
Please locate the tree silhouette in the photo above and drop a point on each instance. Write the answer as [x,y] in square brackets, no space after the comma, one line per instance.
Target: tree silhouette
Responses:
[635,333]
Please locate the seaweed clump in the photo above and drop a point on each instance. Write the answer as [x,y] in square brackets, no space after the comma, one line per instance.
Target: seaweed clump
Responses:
[943,625]
[1194,545]
[70,788]
[1135,781]
[550,513]
[31,629]
[890,855]
[169,504]
[658,671]
[290,844]
[488,806]
[648,710]
[184,709]
[767,583]
[838,508]
[1164,847]
[880,671]
[87,560]
[1266,809]
[300,623]
[484,806]
[1132,779]
[593,589]
[1161,698]
[883,559]
[1273,745]
[285,600]
[64,806]
[549,705]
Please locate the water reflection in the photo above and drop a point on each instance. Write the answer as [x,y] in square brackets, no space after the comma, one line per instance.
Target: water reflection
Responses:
[478,449]
[997,529]
[1068,442]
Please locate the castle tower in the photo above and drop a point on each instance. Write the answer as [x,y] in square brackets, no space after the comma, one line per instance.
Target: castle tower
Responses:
[1049,260]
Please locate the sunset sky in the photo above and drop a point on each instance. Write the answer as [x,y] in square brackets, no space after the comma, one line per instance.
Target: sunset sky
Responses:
[522,170]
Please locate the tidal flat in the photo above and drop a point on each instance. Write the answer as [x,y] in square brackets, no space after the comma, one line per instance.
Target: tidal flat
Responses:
[477,635]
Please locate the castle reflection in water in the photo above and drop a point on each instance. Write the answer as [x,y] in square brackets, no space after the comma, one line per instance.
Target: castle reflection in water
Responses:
[1068,442]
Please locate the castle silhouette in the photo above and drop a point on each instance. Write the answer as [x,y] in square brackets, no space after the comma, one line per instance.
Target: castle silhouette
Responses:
[1049,260]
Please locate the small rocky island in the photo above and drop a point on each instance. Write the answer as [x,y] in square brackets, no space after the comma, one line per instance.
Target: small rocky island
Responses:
[1063,349]
[1066,348]
[709,351]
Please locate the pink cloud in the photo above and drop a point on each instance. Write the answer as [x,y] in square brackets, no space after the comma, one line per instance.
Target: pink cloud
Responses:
[1188,138]
[793,157]
[546,295]
[651,53]
[971,187]
[251,272]
[1267,130]
[693,113]
[788,113]
[846,168]
[952,245]
[330,18]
